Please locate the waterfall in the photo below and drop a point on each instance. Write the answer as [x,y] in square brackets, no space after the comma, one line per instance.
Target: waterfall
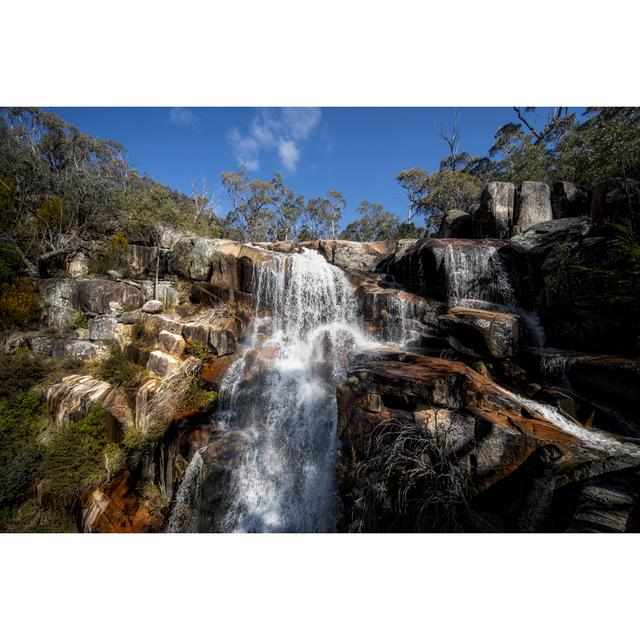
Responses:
[476,272]
[280,395]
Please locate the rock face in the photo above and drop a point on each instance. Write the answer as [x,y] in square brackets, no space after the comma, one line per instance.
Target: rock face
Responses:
[478,333]
[73,396]
[78,350]
[455,268]
[103,328]
[171,343]
[533,206]
[568,200]
[494,217]
[456,224]
[162,364]
[224,265]
[589,298]
[509,448]
[540,238]
[96,296]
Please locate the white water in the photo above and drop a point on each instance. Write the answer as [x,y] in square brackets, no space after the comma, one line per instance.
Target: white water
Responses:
[281,395]
[476,272]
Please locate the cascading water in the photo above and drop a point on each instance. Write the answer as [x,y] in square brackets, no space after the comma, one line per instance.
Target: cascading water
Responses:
[281,396]
[476,272]
[477,277]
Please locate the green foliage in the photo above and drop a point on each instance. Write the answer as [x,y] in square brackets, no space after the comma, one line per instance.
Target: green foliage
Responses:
[374,223]
[197,349]
[21,418]
[81,321]
[197,398]
[432,195]
[21,371]
[145,333]
[118,370]
[75,455]
[19,304]
[30,517]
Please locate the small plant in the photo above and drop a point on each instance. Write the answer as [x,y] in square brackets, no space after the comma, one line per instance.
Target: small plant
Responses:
[145,333]
[197,398]
[75,455]
[81,321]
[117,369]
[197,350]
[19,304]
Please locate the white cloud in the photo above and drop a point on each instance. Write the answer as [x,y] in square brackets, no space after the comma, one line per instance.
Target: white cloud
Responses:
[183,117]
[289,154]
[282,130]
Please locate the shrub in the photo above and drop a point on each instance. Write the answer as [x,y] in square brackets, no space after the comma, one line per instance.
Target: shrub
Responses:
[75,455]
[19,304]
[30,517]
[197,350]
[21,371]
[197,398]
[81,321]
[21,418]
[145,333]
[117,369]
[409,480]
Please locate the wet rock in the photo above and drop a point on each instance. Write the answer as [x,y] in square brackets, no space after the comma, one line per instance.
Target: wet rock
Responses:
[479,333]
[456,268]
[162,364]
[456,224]
[568,200]
[533,206]
[171,343]
[497,429]
[494,217]
[152,306]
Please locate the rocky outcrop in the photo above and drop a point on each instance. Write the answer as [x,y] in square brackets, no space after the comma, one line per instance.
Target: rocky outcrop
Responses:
[507,446]
[104,328]
[346,254]
[456,268]
[568,200]
[494,217]
[539,239]
[73,397]
[225,265]
[78,265]
[98,295]
[533,206]
[456,224]
[477,333]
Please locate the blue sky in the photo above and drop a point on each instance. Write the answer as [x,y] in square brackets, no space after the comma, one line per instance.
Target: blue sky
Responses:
[356,151]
